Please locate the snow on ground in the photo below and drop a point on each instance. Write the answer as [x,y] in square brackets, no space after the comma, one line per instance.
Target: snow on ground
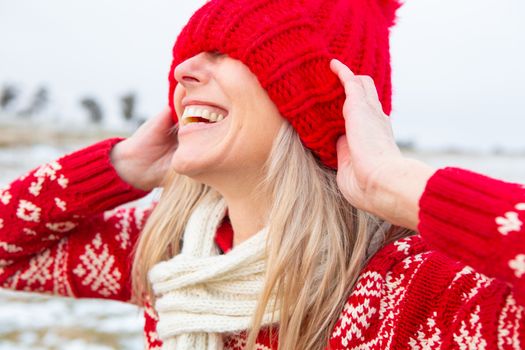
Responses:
[37,322]
[30,321]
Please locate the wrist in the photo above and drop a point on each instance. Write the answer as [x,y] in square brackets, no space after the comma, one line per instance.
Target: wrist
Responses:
[122,158]
[395,191]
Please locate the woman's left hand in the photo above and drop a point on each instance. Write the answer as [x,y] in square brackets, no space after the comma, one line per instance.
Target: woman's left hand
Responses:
[373,175]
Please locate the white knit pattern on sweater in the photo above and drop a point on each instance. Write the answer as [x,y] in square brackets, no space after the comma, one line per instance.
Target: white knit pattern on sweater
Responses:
[201,294]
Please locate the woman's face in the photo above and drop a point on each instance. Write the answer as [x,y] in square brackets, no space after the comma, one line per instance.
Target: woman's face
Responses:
[212,85]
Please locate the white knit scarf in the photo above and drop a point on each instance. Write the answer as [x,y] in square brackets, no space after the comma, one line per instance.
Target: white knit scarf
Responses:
[201,294]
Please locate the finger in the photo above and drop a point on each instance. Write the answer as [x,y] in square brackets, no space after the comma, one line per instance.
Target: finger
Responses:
[343,153]
[166,112]
[344,73]
[341,69]
[351,83]
[165,117]
[370,88]
[160,124]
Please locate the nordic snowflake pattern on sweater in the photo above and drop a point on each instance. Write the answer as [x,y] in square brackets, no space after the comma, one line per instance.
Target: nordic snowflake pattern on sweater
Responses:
[460,285]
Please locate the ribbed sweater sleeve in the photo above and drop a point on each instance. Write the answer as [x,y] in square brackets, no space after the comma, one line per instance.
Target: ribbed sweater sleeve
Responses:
[477,220]
[94,182]
[59,233]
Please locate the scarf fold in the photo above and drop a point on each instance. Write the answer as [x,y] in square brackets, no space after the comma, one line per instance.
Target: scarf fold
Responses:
[201,294]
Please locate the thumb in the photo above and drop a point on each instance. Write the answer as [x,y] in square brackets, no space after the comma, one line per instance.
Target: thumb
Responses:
[166,117]
[343,153]
[162,122]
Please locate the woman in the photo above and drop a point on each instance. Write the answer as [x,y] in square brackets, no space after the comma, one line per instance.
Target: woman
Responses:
[256,230]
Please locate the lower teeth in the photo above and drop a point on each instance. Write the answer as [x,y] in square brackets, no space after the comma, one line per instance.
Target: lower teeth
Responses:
[197,120]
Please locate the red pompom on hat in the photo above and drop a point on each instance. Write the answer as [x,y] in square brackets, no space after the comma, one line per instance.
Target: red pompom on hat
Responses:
[288,45]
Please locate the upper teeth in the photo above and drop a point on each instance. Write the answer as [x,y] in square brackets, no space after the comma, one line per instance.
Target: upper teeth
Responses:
[203,112]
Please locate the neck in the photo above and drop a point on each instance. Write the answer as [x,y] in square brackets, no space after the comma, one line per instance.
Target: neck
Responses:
[247,208]
[247,215]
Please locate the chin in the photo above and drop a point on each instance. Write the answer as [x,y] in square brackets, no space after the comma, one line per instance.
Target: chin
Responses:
[186,165]
[187,162]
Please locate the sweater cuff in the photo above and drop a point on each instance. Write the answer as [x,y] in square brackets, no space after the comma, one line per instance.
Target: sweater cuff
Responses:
[93,179]
[474,219]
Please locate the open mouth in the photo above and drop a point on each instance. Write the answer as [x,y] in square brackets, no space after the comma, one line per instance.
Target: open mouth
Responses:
[202,114]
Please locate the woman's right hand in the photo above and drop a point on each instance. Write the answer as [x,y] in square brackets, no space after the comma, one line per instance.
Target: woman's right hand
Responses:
[143,159]
[373,174]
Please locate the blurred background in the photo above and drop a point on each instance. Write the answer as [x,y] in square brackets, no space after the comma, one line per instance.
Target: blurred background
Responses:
[72,73]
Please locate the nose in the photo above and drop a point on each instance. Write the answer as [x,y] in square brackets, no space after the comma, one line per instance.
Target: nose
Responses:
[194,71]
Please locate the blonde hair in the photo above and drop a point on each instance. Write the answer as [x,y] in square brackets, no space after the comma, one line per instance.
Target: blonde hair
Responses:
[317,242]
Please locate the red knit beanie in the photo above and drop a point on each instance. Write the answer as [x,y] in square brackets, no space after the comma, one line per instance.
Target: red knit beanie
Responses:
[288,45]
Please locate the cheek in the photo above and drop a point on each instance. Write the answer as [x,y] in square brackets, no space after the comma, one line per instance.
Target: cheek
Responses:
[263,133]
[178,95]
[260,122]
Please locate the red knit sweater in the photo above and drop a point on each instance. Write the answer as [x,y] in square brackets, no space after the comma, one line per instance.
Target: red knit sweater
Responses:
[460,285]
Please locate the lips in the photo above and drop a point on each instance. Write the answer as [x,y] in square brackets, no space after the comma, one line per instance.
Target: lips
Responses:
[200,115]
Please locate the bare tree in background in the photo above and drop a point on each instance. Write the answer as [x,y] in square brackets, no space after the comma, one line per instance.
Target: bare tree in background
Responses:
[8,95]
[38,103]
[128,103]
[406,145]
[93,108]
[129,108]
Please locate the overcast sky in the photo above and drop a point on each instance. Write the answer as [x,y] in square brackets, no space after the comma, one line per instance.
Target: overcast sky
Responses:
[458,72]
